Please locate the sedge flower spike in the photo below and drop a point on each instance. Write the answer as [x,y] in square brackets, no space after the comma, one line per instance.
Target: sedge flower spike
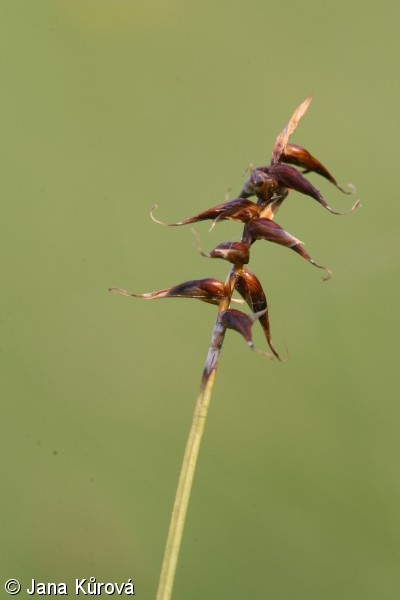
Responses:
[263,193]
[270,185]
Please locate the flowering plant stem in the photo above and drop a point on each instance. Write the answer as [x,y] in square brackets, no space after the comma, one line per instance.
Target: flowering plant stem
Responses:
[271,185]
[189,463]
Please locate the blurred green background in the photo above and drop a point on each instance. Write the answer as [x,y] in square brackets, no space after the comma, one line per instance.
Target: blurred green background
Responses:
[107,108]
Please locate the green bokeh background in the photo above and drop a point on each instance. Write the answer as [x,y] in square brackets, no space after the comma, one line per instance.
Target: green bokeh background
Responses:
[109,106]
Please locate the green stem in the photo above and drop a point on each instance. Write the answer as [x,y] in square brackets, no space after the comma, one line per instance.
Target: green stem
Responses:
[182,497]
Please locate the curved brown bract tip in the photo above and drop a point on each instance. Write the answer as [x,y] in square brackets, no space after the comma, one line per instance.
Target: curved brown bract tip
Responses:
[352,210]
[122,292]
[197,243]
[328,275]
[299,248]
[152,217]
[328,272]
[351,188]
[262,352]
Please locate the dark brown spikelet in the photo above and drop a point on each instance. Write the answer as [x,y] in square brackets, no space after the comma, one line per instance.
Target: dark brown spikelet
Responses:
[291,178]
[237,253]
[239,209]
[266,229]
[249,287]
[242,323]
[269,230]
[260,184]
[207,290]
[296,155]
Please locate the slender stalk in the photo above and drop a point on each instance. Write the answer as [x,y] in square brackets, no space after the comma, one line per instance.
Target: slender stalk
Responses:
[183,491]
[271,185]
[188,468]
